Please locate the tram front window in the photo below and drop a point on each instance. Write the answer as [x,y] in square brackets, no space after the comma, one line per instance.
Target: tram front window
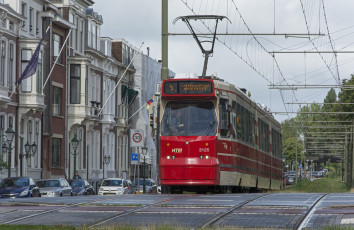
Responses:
[189,119]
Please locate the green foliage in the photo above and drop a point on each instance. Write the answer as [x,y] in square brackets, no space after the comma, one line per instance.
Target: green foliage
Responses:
[346,96]
[310,125]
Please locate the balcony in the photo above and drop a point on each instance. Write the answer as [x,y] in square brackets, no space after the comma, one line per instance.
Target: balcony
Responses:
[4,98]
[32,101]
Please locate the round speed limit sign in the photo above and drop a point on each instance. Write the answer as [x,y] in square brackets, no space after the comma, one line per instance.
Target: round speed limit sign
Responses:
[136,138]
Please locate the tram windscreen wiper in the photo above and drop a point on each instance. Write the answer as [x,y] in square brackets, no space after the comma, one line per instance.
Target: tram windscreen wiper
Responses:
[209,128]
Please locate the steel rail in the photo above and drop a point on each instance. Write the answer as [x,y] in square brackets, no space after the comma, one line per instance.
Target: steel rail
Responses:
[54,210]
[215,219]
[305,218]
[100,222]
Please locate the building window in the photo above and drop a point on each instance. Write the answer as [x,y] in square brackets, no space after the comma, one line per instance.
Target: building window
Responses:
[89,39]
[11,26]
[37,22]
[29,131]
[31,23]
[75,73]
[94,39]
[2,63]
[26,84]
[21,125]
[98,38]
[57,46]
[56,152]
[81,34]
[11,66]
[39,74]
[77,40]
[24,13]
[57,100]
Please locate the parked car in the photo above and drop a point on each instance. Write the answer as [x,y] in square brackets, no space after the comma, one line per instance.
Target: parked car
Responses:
[81,187]
[290,180]
[54,187]
[150,185]
[113,186]
[12,187]
[131,187]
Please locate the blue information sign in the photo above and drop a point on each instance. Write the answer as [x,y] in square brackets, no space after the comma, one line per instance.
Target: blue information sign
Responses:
[135,158]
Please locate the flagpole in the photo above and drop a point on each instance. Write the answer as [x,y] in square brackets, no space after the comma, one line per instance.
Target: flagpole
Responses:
[137,110]
[56,59]
[46,31]
[104,105]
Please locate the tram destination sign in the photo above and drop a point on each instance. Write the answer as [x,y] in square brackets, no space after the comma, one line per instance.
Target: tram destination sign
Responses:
[188,87]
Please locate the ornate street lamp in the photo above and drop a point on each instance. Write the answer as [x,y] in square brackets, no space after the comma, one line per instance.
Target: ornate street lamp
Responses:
[30,150]
[10,134]
[75,143]
[106,161]
[144,152]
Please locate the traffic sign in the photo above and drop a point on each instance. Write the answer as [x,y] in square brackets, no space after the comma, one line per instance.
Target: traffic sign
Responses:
[136,138]
[135,158]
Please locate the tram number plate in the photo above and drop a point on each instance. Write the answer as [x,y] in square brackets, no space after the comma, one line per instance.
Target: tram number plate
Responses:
[188,87]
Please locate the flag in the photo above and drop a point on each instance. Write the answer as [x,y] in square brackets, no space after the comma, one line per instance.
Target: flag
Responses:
[149,102]
[31,67]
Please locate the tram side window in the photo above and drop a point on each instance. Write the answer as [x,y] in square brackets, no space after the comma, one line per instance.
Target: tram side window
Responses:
[251,129]
[238,123]
[276,143]
[263,135]
[224,118]
[234,120]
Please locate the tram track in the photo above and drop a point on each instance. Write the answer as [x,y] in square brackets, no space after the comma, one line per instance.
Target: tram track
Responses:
[134,211]
[304,219]
[55,210]
[215,219]
[193,207]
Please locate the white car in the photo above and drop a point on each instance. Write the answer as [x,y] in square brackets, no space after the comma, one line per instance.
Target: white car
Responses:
[113,186]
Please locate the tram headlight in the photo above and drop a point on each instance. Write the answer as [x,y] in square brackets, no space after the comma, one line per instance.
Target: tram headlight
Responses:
[173,157]
[207,157]
[201,157]
[168,157]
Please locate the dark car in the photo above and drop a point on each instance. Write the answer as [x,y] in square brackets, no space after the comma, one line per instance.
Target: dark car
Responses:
[81,187]
[14,187]
[150,185]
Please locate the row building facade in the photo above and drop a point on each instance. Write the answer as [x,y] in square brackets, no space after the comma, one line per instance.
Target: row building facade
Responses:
[81,91]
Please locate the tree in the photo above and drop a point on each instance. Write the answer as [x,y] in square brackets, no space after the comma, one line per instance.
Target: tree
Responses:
[346,96]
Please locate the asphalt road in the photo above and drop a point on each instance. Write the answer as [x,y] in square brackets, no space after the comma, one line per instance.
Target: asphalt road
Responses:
[273,210]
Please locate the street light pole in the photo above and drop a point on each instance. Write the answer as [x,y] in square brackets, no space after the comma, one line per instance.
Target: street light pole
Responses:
[106,161]
[10,134]
[75,144]
[144,151]
[30,151]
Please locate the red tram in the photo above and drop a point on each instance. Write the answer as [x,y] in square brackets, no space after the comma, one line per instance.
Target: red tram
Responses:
[214,137]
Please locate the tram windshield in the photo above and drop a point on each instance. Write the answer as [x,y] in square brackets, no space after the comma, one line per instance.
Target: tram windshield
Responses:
[195,118]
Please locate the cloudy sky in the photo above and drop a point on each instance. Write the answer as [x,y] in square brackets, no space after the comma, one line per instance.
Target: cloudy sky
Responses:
[245,61]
